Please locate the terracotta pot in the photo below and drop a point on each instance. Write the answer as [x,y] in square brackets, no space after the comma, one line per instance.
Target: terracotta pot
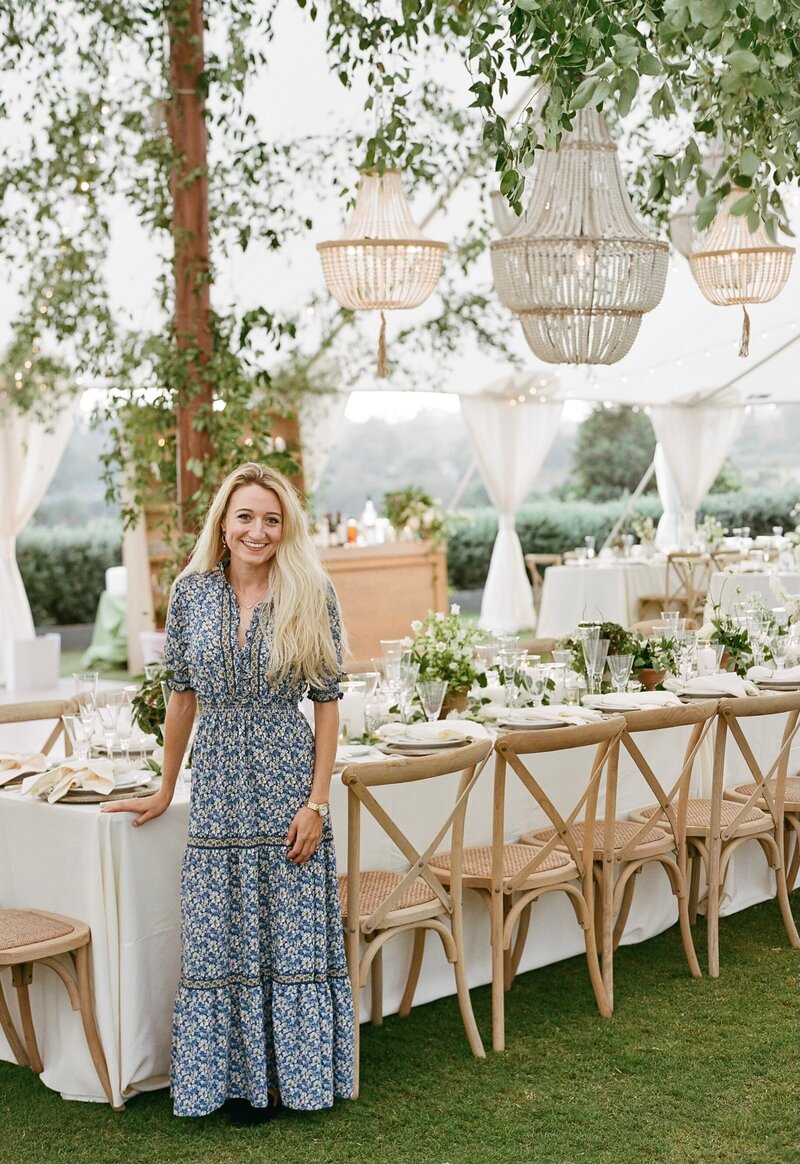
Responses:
[649,678]
[454,701]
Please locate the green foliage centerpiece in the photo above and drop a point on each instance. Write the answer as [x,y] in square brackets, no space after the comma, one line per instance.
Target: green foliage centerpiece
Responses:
[443,647]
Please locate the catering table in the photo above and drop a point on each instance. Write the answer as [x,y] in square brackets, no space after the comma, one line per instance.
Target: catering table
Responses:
[75,860]
[730,586]
[606,591]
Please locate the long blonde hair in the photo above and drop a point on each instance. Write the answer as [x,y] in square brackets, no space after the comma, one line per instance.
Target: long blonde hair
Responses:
[302,644]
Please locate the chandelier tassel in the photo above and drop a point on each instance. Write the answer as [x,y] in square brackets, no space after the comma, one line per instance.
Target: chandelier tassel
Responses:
[744,346]
[382,372]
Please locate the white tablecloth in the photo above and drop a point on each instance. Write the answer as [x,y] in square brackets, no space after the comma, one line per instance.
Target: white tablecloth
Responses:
[124,882]
[606,592]
[729,587]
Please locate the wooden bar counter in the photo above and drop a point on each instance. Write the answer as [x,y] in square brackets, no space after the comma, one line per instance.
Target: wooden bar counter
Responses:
[382,588]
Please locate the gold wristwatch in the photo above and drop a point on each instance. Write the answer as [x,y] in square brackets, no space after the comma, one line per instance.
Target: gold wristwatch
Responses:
[320,809]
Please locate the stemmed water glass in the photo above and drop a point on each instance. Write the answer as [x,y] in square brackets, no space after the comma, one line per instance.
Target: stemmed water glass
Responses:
[685,647]
[80,739]
[125,722]
[109,711]
[779,647]
[431,695]
[511,659]
[620,669]
[595,651]
[535,681]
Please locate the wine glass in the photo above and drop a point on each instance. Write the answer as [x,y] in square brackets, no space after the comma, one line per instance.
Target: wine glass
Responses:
[509,659]
[779,647]
[80,740]
[535,680]
[620,668]
[125,722]
[108,711]
[431,695]
[595,652]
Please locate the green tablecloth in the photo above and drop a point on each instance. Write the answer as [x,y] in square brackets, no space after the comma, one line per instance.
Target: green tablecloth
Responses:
[110,639]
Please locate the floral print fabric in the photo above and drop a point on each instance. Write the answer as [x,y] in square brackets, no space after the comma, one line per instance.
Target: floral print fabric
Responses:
[264,998]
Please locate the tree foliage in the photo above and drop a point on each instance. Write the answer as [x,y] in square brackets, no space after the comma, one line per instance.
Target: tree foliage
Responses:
[612,453]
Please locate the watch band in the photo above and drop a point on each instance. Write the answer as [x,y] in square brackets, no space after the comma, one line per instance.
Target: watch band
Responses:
[320,809]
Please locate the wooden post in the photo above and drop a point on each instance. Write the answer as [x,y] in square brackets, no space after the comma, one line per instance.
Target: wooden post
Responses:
[190,230]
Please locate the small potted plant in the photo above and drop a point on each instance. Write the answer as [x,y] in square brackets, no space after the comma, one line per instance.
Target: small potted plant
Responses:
[443,648]
[653,658]
[645,530]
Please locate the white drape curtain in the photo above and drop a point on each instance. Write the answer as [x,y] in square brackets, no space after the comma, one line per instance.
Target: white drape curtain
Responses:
[319,416]
[511,441]
[30,452]
[693,444]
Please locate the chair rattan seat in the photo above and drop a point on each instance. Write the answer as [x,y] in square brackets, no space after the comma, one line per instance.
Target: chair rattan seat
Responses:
[698,816]
[28,927]
[655,839]
[477,861]
[376,885]
[791,795]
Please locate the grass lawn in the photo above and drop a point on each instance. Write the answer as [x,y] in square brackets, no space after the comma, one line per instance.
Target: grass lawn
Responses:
[71,662]
[685,1072]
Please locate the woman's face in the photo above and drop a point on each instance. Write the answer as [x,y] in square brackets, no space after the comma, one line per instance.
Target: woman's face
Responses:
[253,525]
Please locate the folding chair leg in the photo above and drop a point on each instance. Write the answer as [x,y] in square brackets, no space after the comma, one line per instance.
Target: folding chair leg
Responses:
[413,974]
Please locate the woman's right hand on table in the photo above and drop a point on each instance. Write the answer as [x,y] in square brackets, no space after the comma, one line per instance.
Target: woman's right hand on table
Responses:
[146,807]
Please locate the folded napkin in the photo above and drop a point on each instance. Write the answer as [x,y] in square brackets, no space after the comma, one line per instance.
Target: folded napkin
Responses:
[90,776]
[560,712]
[713,686]
[12,766]
[441,730]
[634,700]
[788,675]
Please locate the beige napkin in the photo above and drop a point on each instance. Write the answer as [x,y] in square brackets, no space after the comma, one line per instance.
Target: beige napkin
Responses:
[561,712]
[12,766]
[713,686]
[633,700]
[90,776]
[760,674]
[439,731]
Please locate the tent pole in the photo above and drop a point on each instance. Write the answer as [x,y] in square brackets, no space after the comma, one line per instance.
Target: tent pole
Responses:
[637,493]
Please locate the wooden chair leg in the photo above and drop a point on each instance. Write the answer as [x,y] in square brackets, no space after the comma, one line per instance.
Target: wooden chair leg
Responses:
[21,976]
[695,865]
[376,979]
[10,1032]
[507,955]
[417,954]
[593,962]
[498,974]
[465,1002]
[523,925]
[713,894]
[83,973]
[785,906]
[607,937]
[625,908]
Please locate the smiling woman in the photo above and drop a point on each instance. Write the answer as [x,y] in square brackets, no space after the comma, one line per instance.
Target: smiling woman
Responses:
[263,1012]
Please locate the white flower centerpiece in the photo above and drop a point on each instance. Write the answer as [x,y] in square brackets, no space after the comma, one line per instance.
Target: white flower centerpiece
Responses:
[443,647]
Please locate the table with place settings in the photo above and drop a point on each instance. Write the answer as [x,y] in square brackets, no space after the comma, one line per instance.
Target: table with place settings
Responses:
[605,591]
[731,586]
[124,882]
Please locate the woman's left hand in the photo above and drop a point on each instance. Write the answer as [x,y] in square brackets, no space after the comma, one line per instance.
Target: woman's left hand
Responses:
[305,833]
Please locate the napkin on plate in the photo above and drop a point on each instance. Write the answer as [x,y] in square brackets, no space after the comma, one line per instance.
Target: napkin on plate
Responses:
[439,731]
[762,674]
[635,700]
[561,712]
[726,683]
[88,775]
[12,766]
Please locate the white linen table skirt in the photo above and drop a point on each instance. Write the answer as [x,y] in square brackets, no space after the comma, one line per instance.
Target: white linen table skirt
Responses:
[729,587]
[124,882]
[605,593]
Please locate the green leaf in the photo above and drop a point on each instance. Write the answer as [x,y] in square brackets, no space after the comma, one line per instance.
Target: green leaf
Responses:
[527,5]
[628,87]
[508,182]
[743,205]
[782,60]
[650,66]
[748,163]
[743,61]
[765,9]
[584,93]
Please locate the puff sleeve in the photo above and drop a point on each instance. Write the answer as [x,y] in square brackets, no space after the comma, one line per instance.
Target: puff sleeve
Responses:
[176,648]
[330,690]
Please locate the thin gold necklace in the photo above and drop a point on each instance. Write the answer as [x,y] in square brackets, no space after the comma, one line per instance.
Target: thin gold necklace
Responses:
[251,605]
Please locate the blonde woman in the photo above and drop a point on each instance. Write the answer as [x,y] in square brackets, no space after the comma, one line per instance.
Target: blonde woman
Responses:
[263,1013]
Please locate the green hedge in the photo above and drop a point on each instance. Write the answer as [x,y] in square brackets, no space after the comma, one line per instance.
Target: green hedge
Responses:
[64,569]
[551,527]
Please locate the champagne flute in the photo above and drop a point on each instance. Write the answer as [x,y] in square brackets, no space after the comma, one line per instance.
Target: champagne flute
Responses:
[79,738]
[125,723]
[620,668]
[595,652]
[431,695]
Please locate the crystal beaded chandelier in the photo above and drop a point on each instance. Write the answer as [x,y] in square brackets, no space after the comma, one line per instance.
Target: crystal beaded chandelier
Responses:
[732,264]
[384,262]
[576,266]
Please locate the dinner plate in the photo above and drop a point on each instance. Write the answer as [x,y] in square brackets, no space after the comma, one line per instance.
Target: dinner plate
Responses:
[415,747]
[774,685]
[704,694]
[531,725]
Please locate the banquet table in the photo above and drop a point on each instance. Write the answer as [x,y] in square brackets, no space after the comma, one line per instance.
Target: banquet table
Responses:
[732,586]
[605,591]
[75,860]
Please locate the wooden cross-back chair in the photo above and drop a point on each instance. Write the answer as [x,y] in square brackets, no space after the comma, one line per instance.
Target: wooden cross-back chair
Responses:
[379,904]
[533,562]
[45,710]
[511,877]
[624,846]
[716,828]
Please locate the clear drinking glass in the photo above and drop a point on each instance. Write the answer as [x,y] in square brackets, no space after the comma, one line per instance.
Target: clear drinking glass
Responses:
[125,722]
[595,652]
[535,680]
[392,648]
[779,647]
[108,710]
[85,681]
[620,669]
[510,660]
[80,740]
[564,658]
[590,543]
[431,695]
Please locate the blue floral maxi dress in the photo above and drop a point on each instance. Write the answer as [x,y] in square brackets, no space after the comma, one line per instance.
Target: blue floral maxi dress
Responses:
[264,998]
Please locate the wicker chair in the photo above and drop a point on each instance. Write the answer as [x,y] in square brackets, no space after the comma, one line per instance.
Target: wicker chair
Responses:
[377,904]
[45,711]
[717,826]
[28,938]
[622,847]
[510,877]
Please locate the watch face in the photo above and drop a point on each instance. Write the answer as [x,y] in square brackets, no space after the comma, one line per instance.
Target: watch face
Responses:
[324,810]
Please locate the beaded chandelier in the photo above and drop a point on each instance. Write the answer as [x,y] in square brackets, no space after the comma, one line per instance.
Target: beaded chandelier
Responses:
[576,266]
[732,264]
[384,262]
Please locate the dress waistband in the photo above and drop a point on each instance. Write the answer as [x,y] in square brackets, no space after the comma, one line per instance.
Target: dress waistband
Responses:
[241,706]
